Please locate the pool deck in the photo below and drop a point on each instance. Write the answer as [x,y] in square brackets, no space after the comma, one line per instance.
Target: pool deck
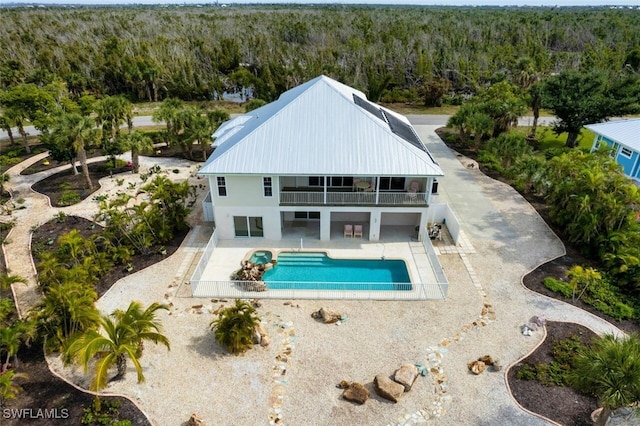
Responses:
[229,254]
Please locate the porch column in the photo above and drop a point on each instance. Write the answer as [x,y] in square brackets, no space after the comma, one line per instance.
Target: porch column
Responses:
[325,226]
[424,221]
[324,191]
[374,225]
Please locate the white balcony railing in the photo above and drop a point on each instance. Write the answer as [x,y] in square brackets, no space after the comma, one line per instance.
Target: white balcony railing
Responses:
[353,198]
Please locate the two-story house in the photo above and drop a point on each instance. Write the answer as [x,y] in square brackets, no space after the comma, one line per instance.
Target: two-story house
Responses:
[321,155]
[623,138]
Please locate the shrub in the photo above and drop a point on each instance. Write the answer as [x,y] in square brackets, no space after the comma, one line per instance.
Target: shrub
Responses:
[235,326]
[558,286]
[68,198]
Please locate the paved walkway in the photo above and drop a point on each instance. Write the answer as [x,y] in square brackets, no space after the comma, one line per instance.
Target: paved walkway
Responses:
[487,304]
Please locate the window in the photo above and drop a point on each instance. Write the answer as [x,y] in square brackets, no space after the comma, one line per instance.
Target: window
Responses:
[332,181]
[316,180]
[392,183]
[248,226]
[267,186]
[306,215]
[222,186]
[626,152]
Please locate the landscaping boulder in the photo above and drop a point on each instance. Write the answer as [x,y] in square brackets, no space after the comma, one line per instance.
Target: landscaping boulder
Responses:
[406,375]
[194,420]
[387,388]
[477,367]
[356,392]
[327,316]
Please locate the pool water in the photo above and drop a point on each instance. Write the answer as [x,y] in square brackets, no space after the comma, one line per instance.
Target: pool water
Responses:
[309,270]
[260,257]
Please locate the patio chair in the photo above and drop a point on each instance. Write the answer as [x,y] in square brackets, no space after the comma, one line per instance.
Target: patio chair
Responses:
[357,231]
[412,190]
[348,231]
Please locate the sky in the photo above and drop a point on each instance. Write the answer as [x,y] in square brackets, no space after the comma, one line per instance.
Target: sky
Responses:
[399,2]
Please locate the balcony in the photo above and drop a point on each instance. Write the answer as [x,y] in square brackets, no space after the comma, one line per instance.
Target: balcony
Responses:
[351,198]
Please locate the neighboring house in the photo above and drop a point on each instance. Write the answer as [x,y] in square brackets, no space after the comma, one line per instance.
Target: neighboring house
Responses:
[321,156]
[623,137]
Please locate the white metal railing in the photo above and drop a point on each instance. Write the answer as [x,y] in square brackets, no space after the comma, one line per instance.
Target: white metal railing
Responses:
[441,278]
[321,290]
[353,198]
[196,278]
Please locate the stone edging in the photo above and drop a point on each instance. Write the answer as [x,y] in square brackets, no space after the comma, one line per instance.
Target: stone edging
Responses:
[506,381]
[59,376]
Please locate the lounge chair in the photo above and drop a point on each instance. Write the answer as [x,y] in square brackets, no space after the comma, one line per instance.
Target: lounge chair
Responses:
[357,231]
[348,231]
[413,189]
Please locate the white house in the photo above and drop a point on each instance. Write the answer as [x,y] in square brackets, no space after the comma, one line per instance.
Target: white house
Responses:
[321,156]
[623,138]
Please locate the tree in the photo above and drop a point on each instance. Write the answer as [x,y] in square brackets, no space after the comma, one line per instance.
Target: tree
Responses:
[503,103]
[7,280]
[609,368]
[235,326]
[112,112]
[124,332]
[65,309]
[578,98]
[75,131]
[25,102]
[168,113]
[12,337]
[7,124]
[9,389]
[138,143]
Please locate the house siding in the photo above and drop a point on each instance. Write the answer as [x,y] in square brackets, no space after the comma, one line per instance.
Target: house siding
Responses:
[244,191]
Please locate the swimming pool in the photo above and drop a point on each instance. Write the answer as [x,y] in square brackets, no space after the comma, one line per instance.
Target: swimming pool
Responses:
[260,257]
[318,271]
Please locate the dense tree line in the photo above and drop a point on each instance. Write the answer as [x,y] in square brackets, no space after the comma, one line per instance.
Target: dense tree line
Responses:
[391,53]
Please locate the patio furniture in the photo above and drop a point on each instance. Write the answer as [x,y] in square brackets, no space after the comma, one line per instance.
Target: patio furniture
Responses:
[413,189]
[435,232]
[348,231]
[363,185]
[357,231]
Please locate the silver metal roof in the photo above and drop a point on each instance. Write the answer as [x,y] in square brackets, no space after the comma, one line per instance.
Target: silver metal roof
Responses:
[625,132]
[316,129]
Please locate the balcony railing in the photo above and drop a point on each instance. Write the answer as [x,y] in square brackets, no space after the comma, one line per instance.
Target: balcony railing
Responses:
[353,198]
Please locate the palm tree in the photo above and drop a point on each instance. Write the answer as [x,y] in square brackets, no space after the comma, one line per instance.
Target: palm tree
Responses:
[138,143]
[9,389]
[609,369]
[141,321]
[78,131]
[124,332]
[65,309]
[234,327]
[12,337]
[7,280]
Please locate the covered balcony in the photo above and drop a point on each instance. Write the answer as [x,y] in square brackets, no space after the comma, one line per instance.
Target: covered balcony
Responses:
[351,191]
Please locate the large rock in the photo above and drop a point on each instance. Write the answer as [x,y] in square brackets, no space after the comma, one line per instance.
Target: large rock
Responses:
[356,392]
[477,367]
[327,316]
[406,375]
[194,420]
[387,388]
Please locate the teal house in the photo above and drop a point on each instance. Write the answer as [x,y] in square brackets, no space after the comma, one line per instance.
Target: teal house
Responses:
[623,137]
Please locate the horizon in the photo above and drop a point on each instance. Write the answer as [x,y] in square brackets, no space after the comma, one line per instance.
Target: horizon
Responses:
[451,3]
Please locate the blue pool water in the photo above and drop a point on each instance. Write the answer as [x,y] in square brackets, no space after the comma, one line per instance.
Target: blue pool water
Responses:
[308,270]
[260,257]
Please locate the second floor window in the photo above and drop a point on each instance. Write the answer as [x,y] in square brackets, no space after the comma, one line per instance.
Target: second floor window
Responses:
[626,152]
[222,186]
[267,185]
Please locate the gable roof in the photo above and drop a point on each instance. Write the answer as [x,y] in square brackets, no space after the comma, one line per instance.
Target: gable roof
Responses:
[318,128]
[625,132]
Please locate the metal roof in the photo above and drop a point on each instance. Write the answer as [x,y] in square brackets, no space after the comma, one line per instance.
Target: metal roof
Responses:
[317,129]
[625,132]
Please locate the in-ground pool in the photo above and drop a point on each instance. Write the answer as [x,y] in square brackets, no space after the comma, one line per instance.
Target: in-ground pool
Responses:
[260,257]
[318,271]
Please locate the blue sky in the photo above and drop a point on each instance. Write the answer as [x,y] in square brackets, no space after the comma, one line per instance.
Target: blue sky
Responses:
[414,2]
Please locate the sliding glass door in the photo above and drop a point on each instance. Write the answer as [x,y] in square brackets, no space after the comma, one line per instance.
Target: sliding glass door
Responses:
[248,226]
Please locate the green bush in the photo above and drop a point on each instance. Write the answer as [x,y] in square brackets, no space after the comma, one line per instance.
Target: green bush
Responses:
[556,372]
[68,198]
[557,286]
